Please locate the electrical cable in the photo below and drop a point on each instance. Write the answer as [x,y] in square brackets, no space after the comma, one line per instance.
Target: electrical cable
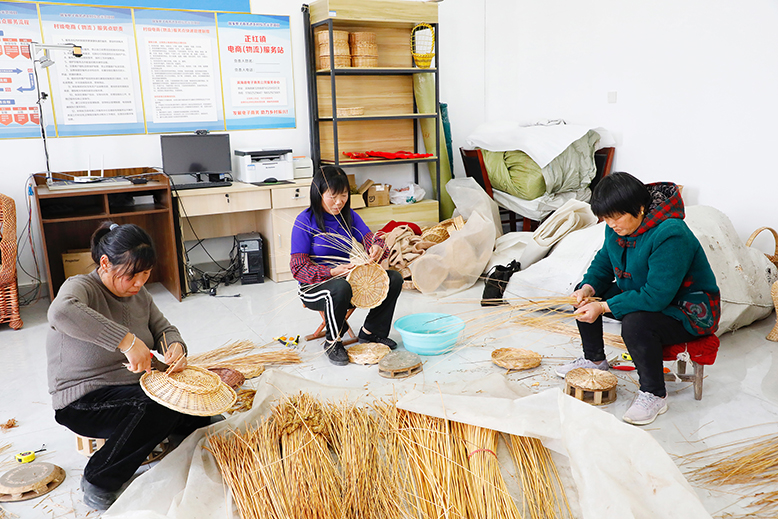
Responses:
[33,295]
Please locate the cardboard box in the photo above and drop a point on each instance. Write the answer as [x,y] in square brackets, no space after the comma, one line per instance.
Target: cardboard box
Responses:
[77,261]
[375,194]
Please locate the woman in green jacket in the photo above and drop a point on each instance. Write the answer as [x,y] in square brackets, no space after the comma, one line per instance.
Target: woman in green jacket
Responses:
[652,275]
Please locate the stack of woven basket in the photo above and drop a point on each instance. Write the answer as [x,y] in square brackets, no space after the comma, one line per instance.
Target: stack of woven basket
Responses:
[364,50]
[340,48]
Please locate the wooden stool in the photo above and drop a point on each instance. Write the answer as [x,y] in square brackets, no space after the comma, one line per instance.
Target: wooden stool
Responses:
[320,331]
[592,386]
[88,446]
[699,352]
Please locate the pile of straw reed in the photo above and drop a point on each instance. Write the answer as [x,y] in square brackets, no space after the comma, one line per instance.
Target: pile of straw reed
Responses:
[751,464]
[236,356]
[10,424]
[311,459]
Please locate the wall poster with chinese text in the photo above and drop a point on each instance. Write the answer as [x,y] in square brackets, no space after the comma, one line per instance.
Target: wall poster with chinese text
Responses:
[18,96]
[179,70]
[99,92]
[256,59]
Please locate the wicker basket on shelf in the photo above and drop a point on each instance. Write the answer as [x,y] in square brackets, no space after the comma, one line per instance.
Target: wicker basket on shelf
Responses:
[516,358]
[369,285]
[364,61]
[423,45]
[351,112]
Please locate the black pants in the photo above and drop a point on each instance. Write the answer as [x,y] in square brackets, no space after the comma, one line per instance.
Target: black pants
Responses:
[333,297]
[644,334]
[132,425]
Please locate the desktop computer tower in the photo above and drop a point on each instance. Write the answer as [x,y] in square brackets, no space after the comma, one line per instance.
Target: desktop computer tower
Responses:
[251,264]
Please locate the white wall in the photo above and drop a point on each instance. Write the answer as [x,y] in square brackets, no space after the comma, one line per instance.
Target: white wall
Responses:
[696,83]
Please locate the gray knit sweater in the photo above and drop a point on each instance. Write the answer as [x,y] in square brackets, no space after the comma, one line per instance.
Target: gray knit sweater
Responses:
[86,324]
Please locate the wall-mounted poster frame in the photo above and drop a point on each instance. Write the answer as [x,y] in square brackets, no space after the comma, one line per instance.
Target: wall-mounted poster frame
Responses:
[18,97]
[144,70]
[99,92]
[179,58]
[256,57]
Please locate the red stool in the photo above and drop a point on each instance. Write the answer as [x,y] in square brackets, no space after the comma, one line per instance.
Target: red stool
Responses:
[700,352]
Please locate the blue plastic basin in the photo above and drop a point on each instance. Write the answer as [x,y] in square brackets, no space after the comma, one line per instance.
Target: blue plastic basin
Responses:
[429,333]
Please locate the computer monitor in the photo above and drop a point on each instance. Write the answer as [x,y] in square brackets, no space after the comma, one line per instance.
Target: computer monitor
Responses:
[197,155]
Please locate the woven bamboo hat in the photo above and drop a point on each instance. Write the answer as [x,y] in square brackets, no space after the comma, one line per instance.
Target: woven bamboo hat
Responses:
[195,391]
[516,358]
[369,285]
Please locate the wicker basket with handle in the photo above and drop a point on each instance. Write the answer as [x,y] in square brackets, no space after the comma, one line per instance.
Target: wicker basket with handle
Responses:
[774,257]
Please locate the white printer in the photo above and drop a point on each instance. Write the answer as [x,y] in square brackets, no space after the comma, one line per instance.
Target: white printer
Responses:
[258,166]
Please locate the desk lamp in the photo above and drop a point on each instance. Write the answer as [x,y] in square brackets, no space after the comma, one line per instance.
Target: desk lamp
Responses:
[45,61]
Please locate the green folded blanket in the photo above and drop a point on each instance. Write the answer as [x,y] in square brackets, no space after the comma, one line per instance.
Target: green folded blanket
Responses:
[514,172]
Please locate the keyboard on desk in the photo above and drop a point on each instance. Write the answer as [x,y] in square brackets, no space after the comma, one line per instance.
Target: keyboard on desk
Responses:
[200,185]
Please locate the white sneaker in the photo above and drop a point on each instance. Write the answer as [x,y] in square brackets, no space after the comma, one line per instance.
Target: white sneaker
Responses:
[581,363]
[645,408]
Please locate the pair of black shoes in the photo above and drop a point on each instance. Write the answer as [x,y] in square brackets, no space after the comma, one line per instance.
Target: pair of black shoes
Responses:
[338,355]
[496,281]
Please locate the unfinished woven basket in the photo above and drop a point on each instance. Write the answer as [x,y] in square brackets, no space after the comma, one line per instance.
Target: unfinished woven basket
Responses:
[772,257]
[516,358]
[435,234]
[231,377]
[591,379]
[369,285]
[194,391]
[368,353]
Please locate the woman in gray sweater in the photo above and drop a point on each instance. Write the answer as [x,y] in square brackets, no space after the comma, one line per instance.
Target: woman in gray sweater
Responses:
[102,328]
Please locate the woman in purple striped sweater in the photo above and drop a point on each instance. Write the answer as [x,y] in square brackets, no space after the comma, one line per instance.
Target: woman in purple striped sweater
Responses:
[320,265]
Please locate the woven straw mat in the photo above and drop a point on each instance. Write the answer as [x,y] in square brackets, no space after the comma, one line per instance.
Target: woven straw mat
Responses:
[194,391]
[369,285]
[591,379]
[368,353]
[516,358]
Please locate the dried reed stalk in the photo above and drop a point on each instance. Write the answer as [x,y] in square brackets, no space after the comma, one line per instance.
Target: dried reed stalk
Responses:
[434,480]
[5,514]
[311,472]
[244,402]
[487,494]
[253,365]
[10,424]
[212,357]
[544,496]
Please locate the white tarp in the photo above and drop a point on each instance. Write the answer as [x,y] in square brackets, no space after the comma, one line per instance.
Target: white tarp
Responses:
[619,471]
[572,216]
[744,274]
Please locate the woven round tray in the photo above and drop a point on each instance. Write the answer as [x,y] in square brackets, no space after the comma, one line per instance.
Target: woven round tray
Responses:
[368,353]
[369,285]
[436,234]
[195,391]
[591,379]
[516,358]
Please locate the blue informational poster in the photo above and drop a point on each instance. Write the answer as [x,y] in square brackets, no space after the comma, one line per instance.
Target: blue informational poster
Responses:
[97,93]
[234,6]
[256,60]
[18,93]
[179,60]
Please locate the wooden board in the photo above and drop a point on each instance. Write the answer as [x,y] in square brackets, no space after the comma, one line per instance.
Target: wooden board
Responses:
[377,95]
[422,213]
[402,11]
[360,136]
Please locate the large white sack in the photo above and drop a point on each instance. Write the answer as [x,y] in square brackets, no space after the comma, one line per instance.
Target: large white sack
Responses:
[457,263]
[570,217]
[744,274]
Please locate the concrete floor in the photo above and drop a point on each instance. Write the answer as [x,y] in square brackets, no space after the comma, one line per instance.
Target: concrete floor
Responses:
[740,392]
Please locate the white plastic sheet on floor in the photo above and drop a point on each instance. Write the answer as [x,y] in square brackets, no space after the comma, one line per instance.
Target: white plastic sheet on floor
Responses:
[744,274]
[619,471]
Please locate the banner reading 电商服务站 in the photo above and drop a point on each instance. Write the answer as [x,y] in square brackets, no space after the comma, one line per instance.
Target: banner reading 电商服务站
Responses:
[256,59]
[143,71]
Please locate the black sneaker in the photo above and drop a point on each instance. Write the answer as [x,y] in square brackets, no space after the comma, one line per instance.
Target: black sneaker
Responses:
[371,337]
[336,353]
[98,498]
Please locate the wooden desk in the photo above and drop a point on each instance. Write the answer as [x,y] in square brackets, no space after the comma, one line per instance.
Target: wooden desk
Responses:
[241,208]
[68,217]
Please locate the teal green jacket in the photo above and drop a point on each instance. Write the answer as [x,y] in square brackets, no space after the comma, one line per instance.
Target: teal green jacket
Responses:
[661,267]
